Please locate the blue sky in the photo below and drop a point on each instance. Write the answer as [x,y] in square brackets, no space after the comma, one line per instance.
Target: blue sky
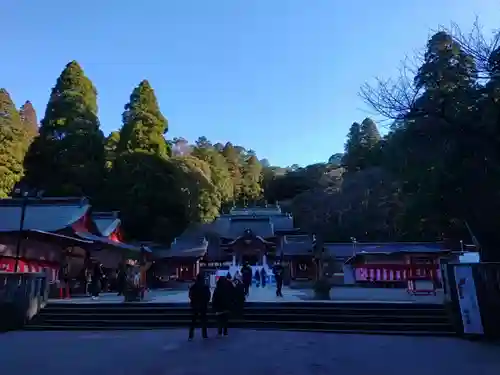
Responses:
[277,76]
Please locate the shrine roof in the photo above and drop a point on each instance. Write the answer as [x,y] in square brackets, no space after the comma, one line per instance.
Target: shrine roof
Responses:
[259,211]
[184,247]
[214,251]
[347,249]
[297,245]
[282,222]
[44,214]
[106,222]
[108,243]
[261,227]
[361,255]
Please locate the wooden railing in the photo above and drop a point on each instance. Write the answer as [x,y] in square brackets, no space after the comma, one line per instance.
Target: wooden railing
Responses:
[22,295]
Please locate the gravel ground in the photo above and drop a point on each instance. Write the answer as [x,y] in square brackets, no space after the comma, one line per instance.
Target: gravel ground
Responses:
[244,352]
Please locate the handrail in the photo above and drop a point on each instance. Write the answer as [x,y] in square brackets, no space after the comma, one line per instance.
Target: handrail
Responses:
[22,296]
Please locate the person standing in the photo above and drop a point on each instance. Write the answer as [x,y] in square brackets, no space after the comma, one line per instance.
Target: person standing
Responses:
[144,266]
[278,271]
[263,277]
[222,303]
[239,297]
[246,277]
[199,297]
[96,280]
[256,276]
[121,279]
[64,279]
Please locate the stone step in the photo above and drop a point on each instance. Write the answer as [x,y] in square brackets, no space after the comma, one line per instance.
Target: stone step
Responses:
[249,316]
[302,324]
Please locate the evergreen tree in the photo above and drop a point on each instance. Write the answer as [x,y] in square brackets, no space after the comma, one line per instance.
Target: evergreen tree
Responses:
[143,123]
[13,144]
[28,118]
[370,135]
[220,175]
[446,66]
[353,148]
[336,159]
[233,161]
[110,146]
[67,157]
[251,179]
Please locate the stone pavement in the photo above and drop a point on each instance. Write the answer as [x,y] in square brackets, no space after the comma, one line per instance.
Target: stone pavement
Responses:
[268,294]
[244,352]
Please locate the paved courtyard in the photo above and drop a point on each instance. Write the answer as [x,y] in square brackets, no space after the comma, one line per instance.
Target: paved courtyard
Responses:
[244,352]
[268,294]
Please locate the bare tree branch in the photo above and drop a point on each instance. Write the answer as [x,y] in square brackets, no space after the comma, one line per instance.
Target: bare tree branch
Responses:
[475,44]
[394,98]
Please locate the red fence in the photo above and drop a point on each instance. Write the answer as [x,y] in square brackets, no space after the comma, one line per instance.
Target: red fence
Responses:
[8,264]
[396,272]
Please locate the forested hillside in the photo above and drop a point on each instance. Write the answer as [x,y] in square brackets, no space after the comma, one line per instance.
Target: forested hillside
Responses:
[433,173]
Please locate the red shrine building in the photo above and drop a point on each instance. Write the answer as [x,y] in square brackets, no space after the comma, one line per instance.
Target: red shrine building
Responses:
[262,235]
[259,236]
[56,230]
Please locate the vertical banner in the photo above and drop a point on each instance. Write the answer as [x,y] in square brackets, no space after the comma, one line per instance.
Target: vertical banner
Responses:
[467,299]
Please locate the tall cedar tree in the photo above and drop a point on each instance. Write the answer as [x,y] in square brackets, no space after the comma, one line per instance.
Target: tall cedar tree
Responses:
[233,162]
[251,180]
[110,146]
[67,157]
[28,118]
[220,176]
[352,148]
[13,144]
[143,123]
[370,135]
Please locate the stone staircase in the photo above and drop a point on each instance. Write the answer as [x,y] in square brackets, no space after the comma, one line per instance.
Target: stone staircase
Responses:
[366,317]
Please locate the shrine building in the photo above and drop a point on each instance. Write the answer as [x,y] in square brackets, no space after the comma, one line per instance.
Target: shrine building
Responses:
[56,230]
[262,235]
[259,236]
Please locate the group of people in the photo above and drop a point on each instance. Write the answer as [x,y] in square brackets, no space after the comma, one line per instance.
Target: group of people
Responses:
[132,278]
[261,277]
[225,300]
[245,276]
[92,279]
[228,298]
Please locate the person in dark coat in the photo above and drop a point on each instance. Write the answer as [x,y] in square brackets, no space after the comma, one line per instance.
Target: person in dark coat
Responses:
[64,279]
[263,277]
[278,271]
[246,277]
[256,276]
[223,303]
[239,297]
[199,297]
[121,279]
[97,274]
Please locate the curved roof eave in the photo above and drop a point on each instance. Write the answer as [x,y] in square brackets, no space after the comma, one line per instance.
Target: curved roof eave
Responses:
[44,217]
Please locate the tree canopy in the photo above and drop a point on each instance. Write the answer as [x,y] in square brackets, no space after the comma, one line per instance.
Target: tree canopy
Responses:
[433,174]
[14,141]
